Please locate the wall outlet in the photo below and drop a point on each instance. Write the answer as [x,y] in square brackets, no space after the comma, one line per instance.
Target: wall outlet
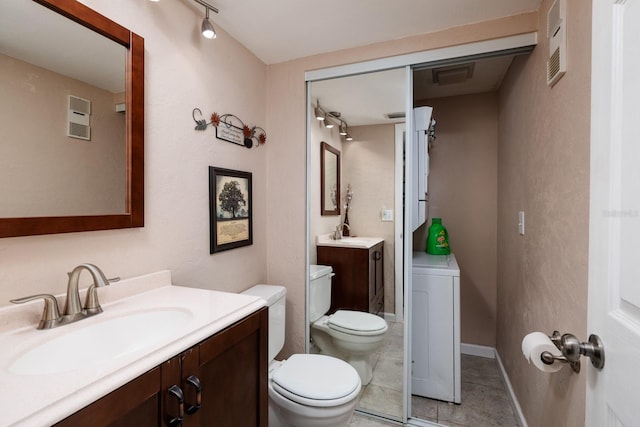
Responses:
[387,215]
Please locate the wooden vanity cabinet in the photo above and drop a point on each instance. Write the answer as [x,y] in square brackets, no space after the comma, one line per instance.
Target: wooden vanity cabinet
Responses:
[358,283]
[226,374]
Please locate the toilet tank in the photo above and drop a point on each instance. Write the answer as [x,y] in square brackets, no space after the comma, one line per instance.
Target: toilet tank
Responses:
[275,296]
[319,290]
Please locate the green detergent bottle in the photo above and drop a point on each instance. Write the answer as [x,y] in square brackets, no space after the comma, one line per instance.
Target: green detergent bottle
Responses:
[438,238]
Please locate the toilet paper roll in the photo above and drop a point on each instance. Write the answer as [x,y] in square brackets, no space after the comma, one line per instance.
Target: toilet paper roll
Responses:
[534,344]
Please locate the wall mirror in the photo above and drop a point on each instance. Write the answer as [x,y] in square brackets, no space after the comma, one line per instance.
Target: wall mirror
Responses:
[72,120]
[329,180]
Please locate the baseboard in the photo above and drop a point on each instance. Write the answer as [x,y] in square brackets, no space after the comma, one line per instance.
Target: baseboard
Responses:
[514,399]
[478,350]
[390,317]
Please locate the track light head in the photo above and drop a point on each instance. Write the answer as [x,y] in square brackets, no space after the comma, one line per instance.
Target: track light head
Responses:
[320,115]
[207,28]
[343,128]
[348,137]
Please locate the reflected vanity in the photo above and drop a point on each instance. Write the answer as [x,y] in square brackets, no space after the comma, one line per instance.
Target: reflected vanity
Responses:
[55,54]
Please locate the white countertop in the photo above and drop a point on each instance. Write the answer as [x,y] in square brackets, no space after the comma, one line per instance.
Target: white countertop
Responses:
[38,400]
[348,242]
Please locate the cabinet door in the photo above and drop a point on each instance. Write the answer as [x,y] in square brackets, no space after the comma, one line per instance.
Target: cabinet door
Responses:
[135,404]
[233,372]
[181,390]
[350,287]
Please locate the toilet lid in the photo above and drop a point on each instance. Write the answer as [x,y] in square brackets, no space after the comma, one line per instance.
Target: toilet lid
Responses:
[316,380]
[357,323]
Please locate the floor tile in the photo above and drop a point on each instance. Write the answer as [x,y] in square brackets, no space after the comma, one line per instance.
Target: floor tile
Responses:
[381,400]
[364,421]
[481,370]
[388,374]
[482,406]
[427,409]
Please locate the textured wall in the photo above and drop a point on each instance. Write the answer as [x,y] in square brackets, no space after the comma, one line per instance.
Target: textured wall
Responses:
[543,164]
[463,187]
[182,71]
[369,166]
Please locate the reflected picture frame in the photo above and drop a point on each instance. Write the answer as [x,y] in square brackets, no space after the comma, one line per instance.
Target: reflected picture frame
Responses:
[230,209]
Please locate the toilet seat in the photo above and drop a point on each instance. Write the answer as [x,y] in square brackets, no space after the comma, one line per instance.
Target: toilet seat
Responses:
[357,323]
[316,380]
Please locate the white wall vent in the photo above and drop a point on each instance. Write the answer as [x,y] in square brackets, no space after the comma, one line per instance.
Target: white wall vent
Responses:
[78,117]
[557,35]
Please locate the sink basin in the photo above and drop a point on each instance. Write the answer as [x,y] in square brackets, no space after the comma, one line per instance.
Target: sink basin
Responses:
[98,342]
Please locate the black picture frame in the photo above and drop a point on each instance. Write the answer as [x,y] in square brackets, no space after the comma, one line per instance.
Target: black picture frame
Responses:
[230,209]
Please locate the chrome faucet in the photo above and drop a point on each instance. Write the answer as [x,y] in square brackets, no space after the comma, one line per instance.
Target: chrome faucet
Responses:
[72,307]
[73,310]
[337,234]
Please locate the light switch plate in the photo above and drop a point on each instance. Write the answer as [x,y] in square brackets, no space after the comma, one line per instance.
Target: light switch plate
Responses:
[387,215]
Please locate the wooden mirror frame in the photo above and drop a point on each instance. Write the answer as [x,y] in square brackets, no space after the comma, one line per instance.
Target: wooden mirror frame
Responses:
[134,114]
[324,148]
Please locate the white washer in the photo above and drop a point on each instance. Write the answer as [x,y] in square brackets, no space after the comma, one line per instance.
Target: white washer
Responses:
[435,345]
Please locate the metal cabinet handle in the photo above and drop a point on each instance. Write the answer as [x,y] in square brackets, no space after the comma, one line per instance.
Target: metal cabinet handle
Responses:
[377,255]
[175,391]
[194,382]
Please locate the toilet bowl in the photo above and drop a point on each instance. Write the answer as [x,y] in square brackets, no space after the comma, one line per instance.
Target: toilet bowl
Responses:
[352,336]
[312,390]
[306,389]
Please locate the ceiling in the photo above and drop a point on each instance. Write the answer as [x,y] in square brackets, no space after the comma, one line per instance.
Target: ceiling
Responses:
[281,30]
[366,99]
[26,30]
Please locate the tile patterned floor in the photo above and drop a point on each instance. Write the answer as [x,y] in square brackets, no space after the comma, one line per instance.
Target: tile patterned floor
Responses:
[485,401]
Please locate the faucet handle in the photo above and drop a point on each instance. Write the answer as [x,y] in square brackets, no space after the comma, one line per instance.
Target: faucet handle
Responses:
[91,302]
[51,313]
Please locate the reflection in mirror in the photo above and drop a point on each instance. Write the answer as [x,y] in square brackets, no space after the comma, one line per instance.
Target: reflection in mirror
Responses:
[329,180]
[71,120]
[368,164]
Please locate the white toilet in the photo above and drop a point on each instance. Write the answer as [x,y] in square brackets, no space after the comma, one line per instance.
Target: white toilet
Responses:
[306,390]
[352,336]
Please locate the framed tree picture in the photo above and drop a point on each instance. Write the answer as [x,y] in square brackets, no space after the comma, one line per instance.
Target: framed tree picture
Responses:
[230,209]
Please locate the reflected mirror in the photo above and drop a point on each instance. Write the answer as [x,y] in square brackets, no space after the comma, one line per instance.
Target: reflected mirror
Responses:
[71,120]
[329,180]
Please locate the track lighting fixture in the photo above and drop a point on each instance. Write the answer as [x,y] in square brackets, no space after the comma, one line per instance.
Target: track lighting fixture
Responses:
[206,28]
[330,119]
[320,115]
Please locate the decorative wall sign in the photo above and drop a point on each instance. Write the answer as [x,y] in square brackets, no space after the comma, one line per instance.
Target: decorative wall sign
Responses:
[231,129]
[230,209]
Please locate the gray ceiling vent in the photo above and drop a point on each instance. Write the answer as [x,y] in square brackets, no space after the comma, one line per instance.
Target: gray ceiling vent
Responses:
[453,74]
[394,116]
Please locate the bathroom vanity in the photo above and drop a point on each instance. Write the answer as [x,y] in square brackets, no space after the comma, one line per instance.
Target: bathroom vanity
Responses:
[357,262]
[150,359]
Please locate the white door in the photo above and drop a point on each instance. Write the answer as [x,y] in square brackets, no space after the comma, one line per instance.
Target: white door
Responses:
[613,397]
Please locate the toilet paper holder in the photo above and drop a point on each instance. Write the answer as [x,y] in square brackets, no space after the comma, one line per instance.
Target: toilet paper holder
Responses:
[571,349]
